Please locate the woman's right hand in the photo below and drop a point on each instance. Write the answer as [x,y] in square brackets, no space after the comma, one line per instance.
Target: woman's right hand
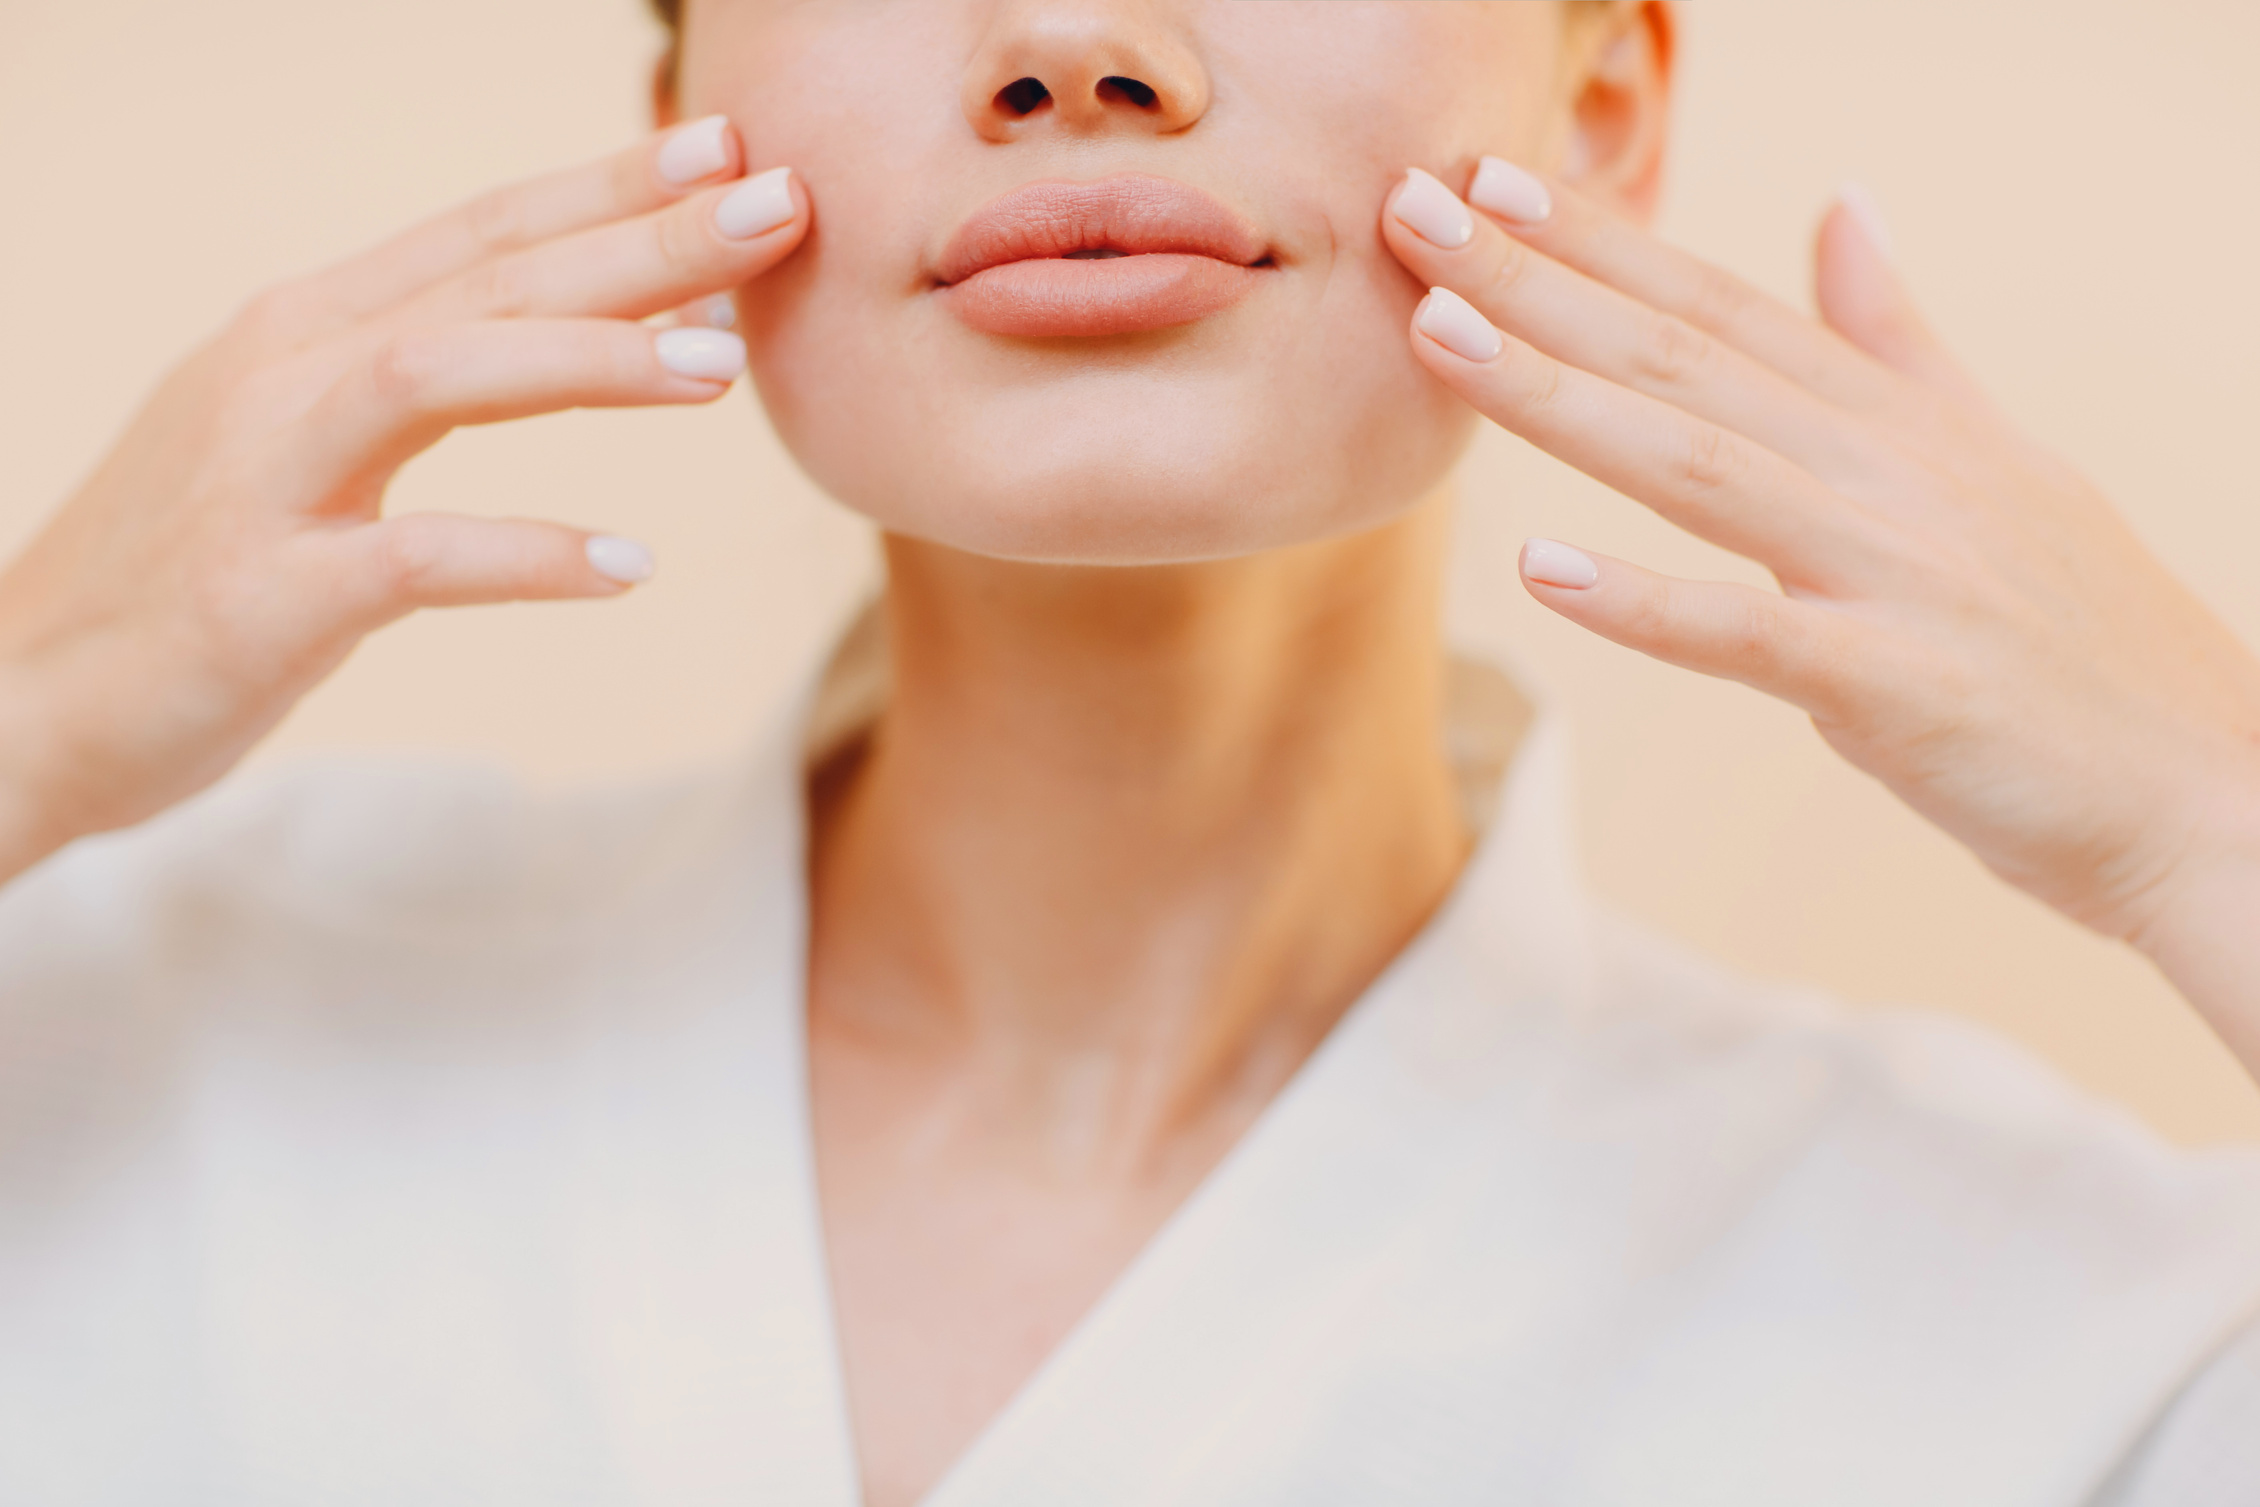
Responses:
[230,551]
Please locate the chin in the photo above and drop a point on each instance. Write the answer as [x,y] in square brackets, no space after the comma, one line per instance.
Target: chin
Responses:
[1131,453]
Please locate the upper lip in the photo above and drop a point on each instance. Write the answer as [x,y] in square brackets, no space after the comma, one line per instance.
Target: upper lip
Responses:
[1133,213]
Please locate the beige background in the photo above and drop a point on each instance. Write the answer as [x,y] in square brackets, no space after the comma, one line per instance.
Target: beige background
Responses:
[2071,187]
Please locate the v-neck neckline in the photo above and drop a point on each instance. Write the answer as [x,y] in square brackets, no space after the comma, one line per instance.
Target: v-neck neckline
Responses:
[1338,1146]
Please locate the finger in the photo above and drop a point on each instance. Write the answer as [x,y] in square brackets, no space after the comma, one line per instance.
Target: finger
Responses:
[1579,233]
[648,176]
[632,269]
[401,392]
[1601,330]
[1802,653]
[384,570]
[1704,478]
[1863,298]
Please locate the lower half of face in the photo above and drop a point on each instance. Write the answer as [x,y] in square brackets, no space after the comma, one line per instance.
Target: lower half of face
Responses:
[1102,280]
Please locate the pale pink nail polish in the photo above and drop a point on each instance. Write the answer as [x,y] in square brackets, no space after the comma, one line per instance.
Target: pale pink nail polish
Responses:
[710,355]
[1867,213]
[1452,322]
[1510,193]
[698,150]
[756,206]
[621,560]
[1552,564]
[1433,212]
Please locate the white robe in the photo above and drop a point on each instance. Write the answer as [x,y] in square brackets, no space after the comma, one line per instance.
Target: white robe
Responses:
[390,1137]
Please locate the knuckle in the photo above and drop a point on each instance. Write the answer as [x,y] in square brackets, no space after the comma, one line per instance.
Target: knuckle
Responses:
[1711,464]
[681,240]
[1649,616]
[405,368]
[1509,272]
[502,289]
[1543,385]
[1672,354]
[1750,634]
[1719,301]
[279,317]
[406,559]
[497,221]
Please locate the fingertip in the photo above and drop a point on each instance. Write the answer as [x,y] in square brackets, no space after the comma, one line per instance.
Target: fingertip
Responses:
[1549,562]
[767,202]
[623,563]
[1864,212]
[698,150]
[703,353]
[1459,327]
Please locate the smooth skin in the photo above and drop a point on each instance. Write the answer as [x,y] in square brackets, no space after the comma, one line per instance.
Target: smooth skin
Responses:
[1128,842]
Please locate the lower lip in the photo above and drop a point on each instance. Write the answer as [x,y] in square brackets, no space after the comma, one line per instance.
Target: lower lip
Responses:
[1119,295]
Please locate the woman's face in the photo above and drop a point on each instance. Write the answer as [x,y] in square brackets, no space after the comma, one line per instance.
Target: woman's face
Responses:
[1138,309]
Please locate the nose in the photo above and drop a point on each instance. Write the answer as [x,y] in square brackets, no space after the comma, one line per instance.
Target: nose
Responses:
[1085,67]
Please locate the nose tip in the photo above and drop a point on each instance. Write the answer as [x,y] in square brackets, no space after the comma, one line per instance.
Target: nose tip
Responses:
[1083,67]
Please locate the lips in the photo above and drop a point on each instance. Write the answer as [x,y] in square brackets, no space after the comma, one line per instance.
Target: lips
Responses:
[1115,257]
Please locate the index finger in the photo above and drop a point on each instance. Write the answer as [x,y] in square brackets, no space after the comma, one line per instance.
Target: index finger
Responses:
[647,176]
[1576,231]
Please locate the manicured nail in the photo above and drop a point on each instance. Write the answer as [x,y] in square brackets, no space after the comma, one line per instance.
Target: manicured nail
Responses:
[698,150]
[715,355]
[621,560]
[1433,212]
[722,312]
[1510,193]
[1867,213]
[756,206]
[1551,564]
[1451,321]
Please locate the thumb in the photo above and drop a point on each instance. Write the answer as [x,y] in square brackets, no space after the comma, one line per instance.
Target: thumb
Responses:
[394,566]
[1863,298]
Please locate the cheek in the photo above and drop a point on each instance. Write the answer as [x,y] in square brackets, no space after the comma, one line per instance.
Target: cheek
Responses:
[1300,415]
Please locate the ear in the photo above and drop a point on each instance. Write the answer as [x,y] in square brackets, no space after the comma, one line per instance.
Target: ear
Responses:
[1620,103]
[666,106]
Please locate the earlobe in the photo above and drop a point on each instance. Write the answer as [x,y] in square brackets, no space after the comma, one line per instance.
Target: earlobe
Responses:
[1621,111]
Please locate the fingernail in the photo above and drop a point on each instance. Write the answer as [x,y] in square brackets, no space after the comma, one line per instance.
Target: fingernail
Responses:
[715,355]
[1510,193]
[621,560]
[1867,213]
[1451,321]
[1552,564]
[722,312]
[698,150]
[1433,212]
[756,206]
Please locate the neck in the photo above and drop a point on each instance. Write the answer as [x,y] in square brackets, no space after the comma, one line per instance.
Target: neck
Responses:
[1126,843]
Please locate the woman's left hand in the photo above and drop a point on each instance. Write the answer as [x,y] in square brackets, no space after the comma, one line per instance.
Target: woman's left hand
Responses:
[1963,616]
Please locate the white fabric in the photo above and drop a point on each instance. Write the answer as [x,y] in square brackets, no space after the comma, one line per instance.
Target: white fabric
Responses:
[385,1137]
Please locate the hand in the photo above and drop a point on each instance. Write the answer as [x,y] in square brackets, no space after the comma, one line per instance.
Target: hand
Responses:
[1963,616]
[230,551]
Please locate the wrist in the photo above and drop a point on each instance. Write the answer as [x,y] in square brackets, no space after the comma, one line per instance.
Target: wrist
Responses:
[32,810]
[2202,930]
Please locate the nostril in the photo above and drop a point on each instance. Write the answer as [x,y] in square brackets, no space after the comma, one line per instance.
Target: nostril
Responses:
[1023,96]
[1141,95]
